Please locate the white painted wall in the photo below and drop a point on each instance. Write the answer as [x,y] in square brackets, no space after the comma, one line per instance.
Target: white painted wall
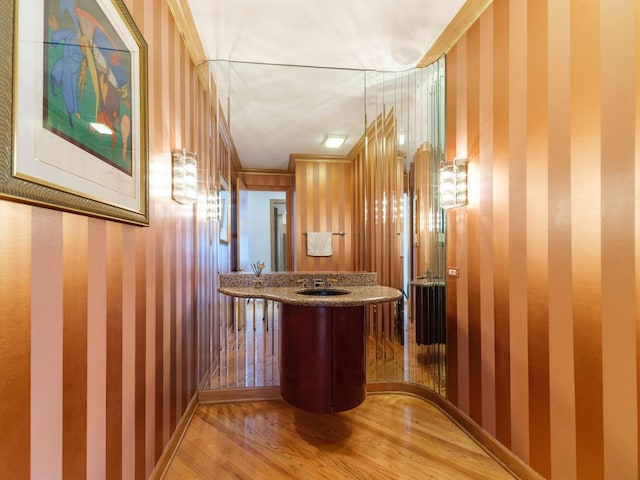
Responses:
[259,228]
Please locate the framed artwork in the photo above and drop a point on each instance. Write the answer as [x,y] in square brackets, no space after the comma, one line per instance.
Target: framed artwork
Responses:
[225,210]
[73,108]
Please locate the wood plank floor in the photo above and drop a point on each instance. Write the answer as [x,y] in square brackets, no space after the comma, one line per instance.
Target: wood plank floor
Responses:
[389,436]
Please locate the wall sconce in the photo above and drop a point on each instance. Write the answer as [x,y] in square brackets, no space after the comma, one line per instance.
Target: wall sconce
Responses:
[453,183]
[185,177]
[213,205]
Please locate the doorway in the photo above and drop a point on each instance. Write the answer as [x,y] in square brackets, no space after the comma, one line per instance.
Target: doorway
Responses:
[278,235]
[264,231]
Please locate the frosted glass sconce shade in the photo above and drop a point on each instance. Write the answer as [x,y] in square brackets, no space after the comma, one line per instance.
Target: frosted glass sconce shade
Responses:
[185,177]
[453,183]
[213,206]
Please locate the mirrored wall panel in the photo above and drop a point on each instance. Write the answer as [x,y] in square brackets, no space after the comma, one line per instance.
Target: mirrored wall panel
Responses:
[275,120]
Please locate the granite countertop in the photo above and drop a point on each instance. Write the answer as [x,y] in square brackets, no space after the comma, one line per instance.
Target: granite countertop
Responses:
[292,279]
[357,296]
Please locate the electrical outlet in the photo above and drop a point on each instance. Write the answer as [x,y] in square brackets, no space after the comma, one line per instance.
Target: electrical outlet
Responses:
[452,271]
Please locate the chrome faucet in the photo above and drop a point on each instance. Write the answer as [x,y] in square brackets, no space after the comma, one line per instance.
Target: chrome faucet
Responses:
[318,282]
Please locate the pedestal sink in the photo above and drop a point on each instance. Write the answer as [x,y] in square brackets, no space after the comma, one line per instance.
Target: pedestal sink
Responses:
[323,335]
[322,357]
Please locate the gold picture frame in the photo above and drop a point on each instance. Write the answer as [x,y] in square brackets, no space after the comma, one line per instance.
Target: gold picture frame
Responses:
[60,84]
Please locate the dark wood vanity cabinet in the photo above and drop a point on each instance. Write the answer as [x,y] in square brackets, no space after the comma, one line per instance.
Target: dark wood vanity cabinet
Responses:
[430,313]
[322,357]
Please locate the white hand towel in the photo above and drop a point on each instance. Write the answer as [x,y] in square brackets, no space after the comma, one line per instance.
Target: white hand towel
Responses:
[319,244]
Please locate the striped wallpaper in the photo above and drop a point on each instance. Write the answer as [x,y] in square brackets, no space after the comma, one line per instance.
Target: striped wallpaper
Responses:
[542,98]
[97,318]
[323,189]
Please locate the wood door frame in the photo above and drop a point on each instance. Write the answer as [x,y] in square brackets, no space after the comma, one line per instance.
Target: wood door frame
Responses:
[273,231]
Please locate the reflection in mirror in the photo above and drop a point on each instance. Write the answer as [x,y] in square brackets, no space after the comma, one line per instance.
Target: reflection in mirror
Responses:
[405,151]
[274,111]
[277,117]
[259,233]
[278,217]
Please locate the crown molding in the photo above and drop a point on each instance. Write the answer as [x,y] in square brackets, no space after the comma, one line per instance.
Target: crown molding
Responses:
[465,17]
[186,26]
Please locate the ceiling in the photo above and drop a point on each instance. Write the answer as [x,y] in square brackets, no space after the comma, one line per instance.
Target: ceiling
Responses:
[275,111]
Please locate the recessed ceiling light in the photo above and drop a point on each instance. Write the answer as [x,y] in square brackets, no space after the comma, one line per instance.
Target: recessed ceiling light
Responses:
[334,141]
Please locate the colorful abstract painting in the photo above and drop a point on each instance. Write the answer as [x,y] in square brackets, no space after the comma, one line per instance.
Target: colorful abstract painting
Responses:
[87,81]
